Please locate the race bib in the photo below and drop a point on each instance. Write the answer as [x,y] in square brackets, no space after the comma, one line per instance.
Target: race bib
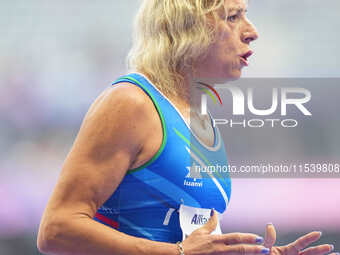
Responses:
[192,218]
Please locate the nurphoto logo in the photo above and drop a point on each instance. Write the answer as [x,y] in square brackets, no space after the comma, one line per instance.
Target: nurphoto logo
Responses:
[241,100]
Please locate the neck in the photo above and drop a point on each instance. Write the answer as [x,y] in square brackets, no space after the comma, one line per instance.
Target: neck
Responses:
[189,97]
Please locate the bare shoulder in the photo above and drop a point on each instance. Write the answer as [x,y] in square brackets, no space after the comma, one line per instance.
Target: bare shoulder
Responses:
[124,99]
[121,118]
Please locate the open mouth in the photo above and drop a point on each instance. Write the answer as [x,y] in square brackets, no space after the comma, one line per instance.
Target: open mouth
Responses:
[245,56]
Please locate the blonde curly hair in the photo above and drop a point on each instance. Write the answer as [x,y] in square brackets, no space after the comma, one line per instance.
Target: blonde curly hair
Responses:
[169,35]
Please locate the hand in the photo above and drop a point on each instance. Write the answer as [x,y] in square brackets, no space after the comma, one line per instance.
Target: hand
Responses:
[298,247]
[201,242]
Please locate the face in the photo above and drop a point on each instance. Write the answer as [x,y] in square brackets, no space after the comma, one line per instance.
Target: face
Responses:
[228,55]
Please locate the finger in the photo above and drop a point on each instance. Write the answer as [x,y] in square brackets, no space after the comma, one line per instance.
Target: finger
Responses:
[210,226]
[318,250]
[306,240]
[270,237]
[240,238]
[245,249]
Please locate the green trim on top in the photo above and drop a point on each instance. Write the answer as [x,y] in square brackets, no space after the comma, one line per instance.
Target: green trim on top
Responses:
[122,79]
[192,146]
[198,152]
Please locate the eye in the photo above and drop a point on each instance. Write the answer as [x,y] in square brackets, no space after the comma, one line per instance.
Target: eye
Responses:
[232,18]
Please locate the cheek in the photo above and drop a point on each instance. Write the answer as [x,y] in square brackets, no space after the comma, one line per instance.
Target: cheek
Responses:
[229,39]
[224,56]
[230,45]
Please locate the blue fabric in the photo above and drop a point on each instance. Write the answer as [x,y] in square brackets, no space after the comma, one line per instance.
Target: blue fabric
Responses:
[144,197]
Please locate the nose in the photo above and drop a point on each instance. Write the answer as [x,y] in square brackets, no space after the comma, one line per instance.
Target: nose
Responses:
[250,34]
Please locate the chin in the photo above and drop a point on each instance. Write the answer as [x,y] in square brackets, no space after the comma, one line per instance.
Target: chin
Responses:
[233,76]
[221,77]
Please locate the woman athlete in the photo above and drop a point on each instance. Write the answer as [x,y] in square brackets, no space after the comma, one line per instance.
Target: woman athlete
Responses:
[128,185]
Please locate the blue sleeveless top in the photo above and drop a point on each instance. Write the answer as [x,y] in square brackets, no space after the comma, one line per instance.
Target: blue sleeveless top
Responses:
[146,202]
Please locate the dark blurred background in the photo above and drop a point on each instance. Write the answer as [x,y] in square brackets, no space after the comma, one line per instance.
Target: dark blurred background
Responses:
[56,57]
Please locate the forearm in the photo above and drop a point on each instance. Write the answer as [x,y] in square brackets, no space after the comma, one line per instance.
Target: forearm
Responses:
[86,237]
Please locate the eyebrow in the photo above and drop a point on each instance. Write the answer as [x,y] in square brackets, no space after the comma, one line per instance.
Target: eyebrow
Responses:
[239,10]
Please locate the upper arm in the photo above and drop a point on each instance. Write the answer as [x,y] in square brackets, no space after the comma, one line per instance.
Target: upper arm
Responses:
[111,136]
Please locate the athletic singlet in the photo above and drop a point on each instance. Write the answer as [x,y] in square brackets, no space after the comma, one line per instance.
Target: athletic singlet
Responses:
[146,202]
